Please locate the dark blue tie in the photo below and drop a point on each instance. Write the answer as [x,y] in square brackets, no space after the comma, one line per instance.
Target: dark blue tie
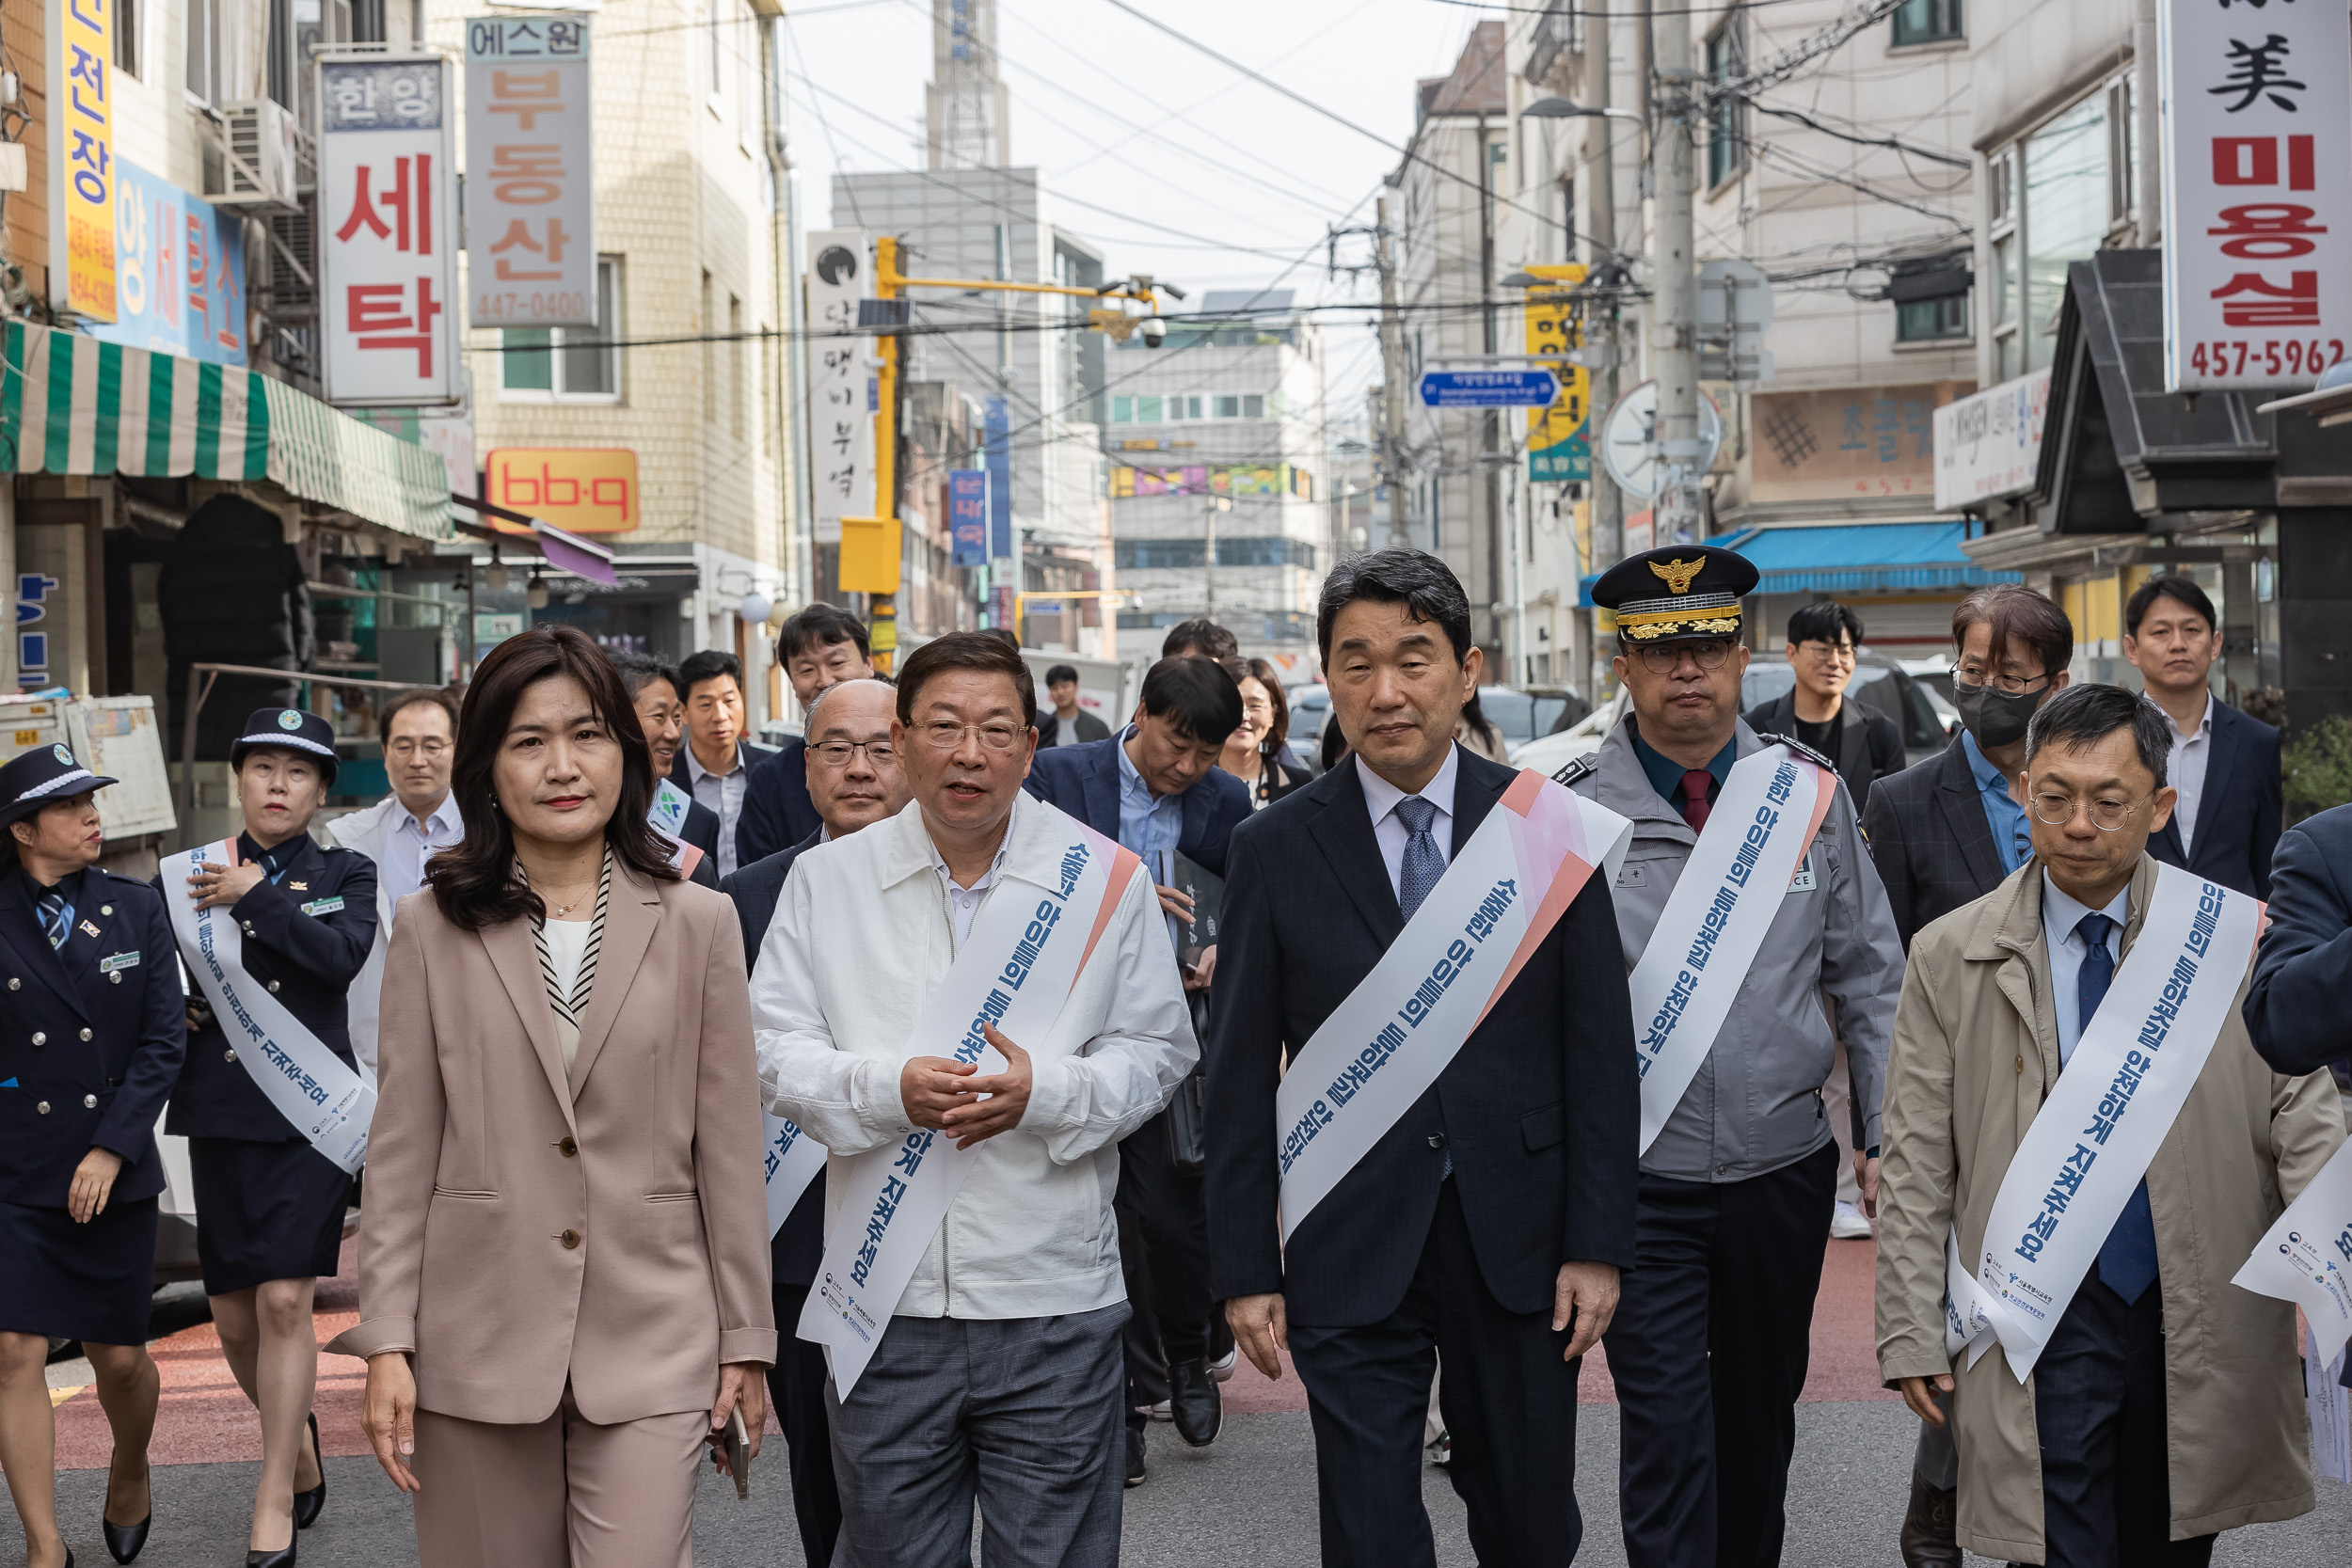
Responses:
[2127,1259]
[56,916]
[1422,864]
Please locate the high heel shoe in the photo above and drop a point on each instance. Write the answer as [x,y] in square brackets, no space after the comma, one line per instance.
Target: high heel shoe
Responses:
[122,1540]
[306,1504]
[282,1558]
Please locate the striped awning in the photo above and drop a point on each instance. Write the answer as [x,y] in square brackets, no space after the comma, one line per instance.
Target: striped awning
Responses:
[73,404]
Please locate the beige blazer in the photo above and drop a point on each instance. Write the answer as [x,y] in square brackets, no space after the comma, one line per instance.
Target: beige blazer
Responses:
[1975,1050]
[516,1235]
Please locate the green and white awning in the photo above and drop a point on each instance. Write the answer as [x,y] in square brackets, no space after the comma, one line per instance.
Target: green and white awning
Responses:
[73,404]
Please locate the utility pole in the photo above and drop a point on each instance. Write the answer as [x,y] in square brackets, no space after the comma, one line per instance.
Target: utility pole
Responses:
[1493,417]
[1674,332]
[1217,504]
[1600,175]
[1393,391]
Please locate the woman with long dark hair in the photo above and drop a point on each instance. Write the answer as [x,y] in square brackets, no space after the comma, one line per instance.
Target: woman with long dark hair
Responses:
[563,1256]
[1253,753]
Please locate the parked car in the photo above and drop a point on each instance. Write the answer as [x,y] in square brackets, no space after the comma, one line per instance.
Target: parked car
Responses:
[1529,712]
[1311,709]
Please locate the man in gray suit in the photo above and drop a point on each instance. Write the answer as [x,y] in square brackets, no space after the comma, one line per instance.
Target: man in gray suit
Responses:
[1944,834]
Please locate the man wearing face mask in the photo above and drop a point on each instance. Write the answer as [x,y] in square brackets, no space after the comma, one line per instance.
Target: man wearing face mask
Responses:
[1944,834]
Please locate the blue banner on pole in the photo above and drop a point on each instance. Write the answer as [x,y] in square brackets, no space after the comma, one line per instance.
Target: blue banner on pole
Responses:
[999,460]
[967,514]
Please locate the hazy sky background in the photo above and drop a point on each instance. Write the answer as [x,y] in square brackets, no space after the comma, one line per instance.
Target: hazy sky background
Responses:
[1232,182]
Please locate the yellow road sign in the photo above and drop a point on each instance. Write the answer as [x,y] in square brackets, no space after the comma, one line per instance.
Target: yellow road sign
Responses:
[1551,333]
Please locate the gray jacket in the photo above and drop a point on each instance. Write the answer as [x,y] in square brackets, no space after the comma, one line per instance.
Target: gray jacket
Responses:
[1755,1105]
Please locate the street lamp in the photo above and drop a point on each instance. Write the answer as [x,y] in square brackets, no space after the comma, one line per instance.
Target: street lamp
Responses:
[1217,504]
[1565,109]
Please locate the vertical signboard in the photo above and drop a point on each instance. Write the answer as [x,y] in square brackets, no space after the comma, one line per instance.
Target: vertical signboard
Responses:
[82,157]
[967,514]
[1558,449]
[385,232]
[530,211]
[841,385]
[179,272]
[2257,193]
[998,427]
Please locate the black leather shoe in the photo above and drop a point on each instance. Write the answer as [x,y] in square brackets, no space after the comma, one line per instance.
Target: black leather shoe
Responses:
[1931,1528]
[282,1558]
[124,1541]
[1193,1401]
[307,1504]
[1134,1460]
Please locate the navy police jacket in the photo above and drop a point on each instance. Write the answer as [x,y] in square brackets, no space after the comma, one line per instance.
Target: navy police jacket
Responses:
[91,1036]
[305,939]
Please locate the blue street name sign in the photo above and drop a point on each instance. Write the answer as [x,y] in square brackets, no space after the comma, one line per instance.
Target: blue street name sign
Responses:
[1489,388]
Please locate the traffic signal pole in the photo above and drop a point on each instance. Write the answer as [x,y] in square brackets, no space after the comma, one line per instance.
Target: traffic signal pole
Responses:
[1673,342]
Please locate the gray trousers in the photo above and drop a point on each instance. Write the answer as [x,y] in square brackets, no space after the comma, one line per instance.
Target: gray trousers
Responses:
[1018,1414]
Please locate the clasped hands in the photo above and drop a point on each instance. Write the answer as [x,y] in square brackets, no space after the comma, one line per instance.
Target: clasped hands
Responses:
[949,1096]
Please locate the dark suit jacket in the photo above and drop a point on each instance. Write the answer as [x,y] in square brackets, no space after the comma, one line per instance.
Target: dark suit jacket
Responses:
[1084,781]
[751,758]
[308,958]
[799,1245]
[1869,746]
[701,829]
[1930,840]
[2239,813]
[777,811]
[2295,1007]
[53,999]
[1540,1110]
[1091,730]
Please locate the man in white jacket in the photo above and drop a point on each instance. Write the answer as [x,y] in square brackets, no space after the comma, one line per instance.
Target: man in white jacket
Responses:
[999,1374]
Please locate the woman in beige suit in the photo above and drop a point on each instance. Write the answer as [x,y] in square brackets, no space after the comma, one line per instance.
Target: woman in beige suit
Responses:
[563,1250]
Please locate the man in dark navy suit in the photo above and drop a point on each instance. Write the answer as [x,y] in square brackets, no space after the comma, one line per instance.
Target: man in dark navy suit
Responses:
[1156,789]
[855,781]
[1490,1221]
[819,648]
[715,764]
[2224,764]
[653,691]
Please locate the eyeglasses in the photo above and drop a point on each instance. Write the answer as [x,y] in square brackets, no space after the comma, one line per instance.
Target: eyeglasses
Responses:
[837,753]
[407,747]
[943,737]
[1833,653]
[2009,686]
[2107,814]
[1664,658]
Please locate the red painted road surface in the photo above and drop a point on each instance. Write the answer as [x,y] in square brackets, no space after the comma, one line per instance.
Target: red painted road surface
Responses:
[205,1417]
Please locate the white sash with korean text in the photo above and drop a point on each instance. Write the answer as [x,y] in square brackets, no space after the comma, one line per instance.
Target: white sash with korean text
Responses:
[1014,971]
[1380,1049]
[2098,1130]
[1714,921]
[2306,1257]
[668,817]
[793,1160]
[328,1101]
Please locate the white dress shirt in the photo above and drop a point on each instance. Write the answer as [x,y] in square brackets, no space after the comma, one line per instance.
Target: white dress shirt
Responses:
[1380,799]
[2185,773]
[964,902]
[723,794]
[407,846]
[2060,913]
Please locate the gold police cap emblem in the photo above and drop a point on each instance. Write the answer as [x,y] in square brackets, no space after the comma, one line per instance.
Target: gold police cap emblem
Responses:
[1678,575]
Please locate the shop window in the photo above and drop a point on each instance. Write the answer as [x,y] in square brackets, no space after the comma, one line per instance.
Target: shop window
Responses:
[579,364]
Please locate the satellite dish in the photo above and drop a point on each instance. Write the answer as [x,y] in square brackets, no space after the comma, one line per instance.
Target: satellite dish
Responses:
[836,265]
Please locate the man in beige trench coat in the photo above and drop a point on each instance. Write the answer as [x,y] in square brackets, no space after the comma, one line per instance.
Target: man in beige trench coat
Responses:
[2179,1402]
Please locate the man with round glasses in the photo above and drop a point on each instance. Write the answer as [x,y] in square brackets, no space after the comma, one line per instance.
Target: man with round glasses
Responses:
[1747,873]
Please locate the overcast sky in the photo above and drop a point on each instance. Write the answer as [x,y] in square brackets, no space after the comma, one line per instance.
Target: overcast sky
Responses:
[1239,180]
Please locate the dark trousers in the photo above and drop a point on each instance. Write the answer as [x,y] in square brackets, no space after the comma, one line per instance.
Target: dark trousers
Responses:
[1708,1349]
[2098,1409]
[796,1387]
[1168,1272]
[1508,1398]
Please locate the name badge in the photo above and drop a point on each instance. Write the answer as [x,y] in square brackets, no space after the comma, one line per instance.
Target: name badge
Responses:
[1803,880]
[323,906]
[1633,874]
[118,960]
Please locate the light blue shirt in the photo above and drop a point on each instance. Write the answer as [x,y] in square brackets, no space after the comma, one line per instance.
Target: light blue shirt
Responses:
[1148,826]
[2011,837]
[2060,913]
[408,845]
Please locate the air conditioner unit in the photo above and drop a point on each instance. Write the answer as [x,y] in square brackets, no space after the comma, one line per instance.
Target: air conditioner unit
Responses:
[259,173]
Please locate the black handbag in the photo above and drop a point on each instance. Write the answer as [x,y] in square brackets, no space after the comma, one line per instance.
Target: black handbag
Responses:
[1187,1134]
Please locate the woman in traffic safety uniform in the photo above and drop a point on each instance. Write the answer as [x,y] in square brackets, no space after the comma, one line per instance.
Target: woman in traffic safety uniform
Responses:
[269,1207]
[90,1042]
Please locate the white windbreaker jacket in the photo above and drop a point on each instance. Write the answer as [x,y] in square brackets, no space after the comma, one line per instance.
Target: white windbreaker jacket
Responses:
[860,935]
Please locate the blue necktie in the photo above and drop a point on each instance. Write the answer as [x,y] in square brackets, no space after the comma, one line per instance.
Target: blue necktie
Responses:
[2127,1259]
[1422,863]
[55,917]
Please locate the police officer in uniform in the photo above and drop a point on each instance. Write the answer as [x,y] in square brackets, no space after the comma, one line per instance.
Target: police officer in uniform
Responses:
[269,1207]
[1710,1344]
[90,1040]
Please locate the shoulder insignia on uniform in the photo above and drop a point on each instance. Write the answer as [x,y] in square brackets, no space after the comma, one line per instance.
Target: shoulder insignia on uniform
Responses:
[1581,767]
[1800,749]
